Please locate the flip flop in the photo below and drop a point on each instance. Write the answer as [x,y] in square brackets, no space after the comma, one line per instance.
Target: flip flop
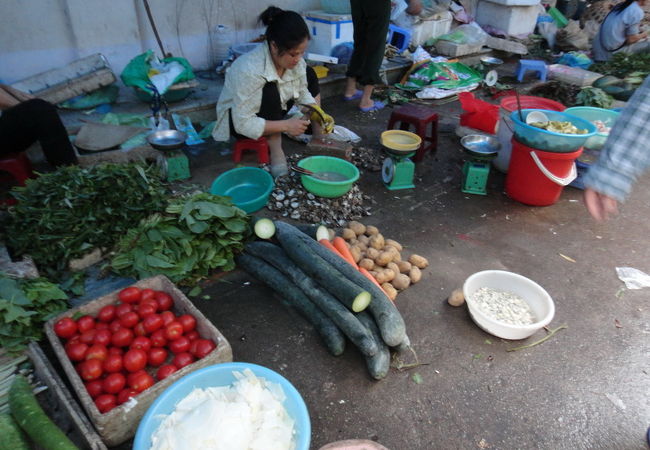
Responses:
[356,96]
[279,170]
[376,106]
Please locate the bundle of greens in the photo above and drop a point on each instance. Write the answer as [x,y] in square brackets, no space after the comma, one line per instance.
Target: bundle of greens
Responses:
[25,304]
[64,214]
[624,65]
[196,234]
[593,96]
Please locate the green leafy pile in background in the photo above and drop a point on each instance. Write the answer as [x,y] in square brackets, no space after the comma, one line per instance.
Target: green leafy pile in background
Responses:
[64,214]
[591,96]
[25,304]
[195,235]
[623,65]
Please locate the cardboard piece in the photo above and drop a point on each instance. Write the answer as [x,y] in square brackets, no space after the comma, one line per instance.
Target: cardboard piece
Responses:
[95,136]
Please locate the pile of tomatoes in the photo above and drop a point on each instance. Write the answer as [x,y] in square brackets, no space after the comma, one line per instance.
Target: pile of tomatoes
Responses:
[117,351]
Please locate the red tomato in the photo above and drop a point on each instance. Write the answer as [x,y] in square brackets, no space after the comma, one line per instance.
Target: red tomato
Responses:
[112,364]
[152,323]
[141,342]
[115,351]
[122,337]
[156,356]
[114,383]
[201,347]
[76,351]
[125,395]
[65,328]
[167,317]
[183,359]
[165,371]
[174,330]
[103,337]
[129,320]
[74,339]
[140,381]
[150,301]
[192,335]
[130,295]
[106,314]
[85,323]
[94,388]
[105,403]
[139,330]
[88,337]
[91,369]
[188,321]
[134,360]
[122,309]
[180,345]
[146,310]
[97,351]
[101,326]
[147,294]
[158,338]
[165,301]
[114,326]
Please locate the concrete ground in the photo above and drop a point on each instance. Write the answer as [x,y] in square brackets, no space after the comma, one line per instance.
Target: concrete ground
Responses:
[586,387]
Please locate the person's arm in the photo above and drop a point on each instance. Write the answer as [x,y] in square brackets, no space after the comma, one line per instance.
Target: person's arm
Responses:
[635,38]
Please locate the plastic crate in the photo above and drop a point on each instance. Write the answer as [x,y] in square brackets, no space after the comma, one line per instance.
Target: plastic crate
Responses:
[120,423]
[328,30]
[513,17]
[448,48]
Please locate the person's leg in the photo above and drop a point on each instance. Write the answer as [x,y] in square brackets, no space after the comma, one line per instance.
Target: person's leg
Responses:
[377,16]
[271,109]
[356,60]
[36,120]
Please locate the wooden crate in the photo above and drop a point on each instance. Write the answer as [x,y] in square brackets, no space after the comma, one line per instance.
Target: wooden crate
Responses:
[120,424]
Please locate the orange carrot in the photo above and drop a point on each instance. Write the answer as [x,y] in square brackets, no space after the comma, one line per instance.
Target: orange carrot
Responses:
[328,245]
[369,276]
[343,249]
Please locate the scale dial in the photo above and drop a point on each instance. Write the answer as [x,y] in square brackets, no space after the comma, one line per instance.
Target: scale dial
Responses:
[388,170]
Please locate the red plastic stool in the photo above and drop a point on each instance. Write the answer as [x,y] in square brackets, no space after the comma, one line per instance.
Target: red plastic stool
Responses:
[259,145]
[420,117]
[14,169]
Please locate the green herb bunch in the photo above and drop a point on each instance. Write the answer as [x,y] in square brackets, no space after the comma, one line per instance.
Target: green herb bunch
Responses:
[195,235]
[64,214]
[25,304]
[591,96]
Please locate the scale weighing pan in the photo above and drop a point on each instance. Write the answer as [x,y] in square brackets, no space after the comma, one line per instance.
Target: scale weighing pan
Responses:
[400,143]
[167,139]
[480,146]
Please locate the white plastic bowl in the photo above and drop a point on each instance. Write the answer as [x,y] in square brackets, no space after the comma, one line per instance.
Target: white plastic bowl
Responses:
[536,296]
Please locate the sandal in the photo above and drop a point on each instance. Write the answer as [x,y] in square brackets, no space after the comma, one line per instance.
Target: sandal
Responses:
[279,170]
[376,106]
[356,96]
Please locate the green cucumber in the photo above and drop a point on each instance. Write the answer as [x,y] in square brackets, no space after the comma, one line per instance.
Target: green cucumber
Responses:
[340,315]
[349,293]
[11,436]
[264,228]
[378,364]
[269,275]
[29,415]
[607,80]
[389,320]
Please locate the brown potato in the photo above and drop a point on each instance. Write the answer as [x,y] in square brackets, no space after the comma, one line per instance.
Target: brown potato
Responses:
[348,234]
[363,247]
[415,275]
[390,291]
[384,258]
[367,263]
[356,253]
[392,266]
[401,281]
[404,266]
[372,231]
[377,241]
[381,277]
[363,238]
[418,261]
[457,298]
[357,227]
[372,253]
[389,275]
[395,244]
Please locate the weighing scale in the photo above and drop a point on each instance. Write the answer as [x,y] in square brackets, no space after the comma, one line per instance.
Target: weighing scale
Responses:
[174,162]
[398,170]
[482,150]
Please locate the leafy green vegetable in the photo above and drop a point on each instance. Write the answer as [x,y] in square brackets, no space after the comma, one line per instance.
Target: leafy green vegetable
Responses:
[196,234]
[592,96]
[622,65]
[25,304]
[64,214]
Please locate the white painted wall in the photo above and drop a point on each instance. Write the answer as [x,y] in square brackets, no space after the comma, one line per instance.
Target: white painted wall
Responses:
[39,35]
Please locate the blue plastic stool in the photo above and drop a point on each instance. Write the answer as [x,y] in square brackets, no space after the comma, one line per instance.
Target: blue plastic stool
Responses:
[531,64]
[398,37]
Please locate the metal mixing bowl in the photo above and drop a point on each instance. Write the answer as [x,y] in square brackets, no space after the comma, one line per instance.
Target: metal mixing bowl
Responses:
[167,139]
[480,146]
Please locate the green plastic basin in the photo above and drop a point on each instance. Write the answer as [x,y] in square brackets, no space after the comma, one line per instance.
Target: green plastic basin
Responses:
[323,188]
[248,187]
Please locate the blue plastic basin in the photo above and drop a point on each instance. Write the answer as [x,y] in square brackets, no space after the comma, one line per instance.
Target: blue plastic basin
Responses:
[248,187]
[222,375]
[549,141]
[607,116]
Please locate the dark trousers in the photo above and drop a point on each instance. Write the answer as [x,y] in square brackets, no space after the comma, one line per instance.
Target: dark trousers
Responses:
[271,107]
[370,19]
[31,121]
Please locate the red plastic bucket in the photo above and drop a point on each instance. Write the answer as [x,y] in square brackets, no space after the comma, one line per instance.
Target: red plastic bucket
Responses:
[536,177]
[504,130]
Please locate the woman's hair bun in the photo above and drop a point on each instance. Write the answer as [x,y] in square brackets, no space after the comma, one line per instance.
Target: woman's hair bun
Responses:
[269,14]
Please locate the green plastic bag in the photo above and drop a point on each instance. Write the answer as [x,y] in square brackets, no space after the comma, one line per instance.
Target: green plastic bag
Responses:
[442,75]
[136,72]
[106,94]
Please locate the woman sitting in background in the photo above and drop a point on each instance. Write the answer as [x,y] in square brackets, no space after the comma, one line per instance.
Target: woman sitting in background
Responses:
[620,31]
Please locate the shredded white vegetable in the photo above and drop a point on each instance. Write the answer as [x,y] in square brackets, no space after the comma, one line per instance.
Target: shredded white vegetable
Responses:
[246,415]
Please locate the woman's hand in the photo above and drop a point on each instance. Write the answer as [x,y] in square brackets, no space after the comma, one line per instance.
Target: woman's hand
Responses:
[296,126]
[599,205]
